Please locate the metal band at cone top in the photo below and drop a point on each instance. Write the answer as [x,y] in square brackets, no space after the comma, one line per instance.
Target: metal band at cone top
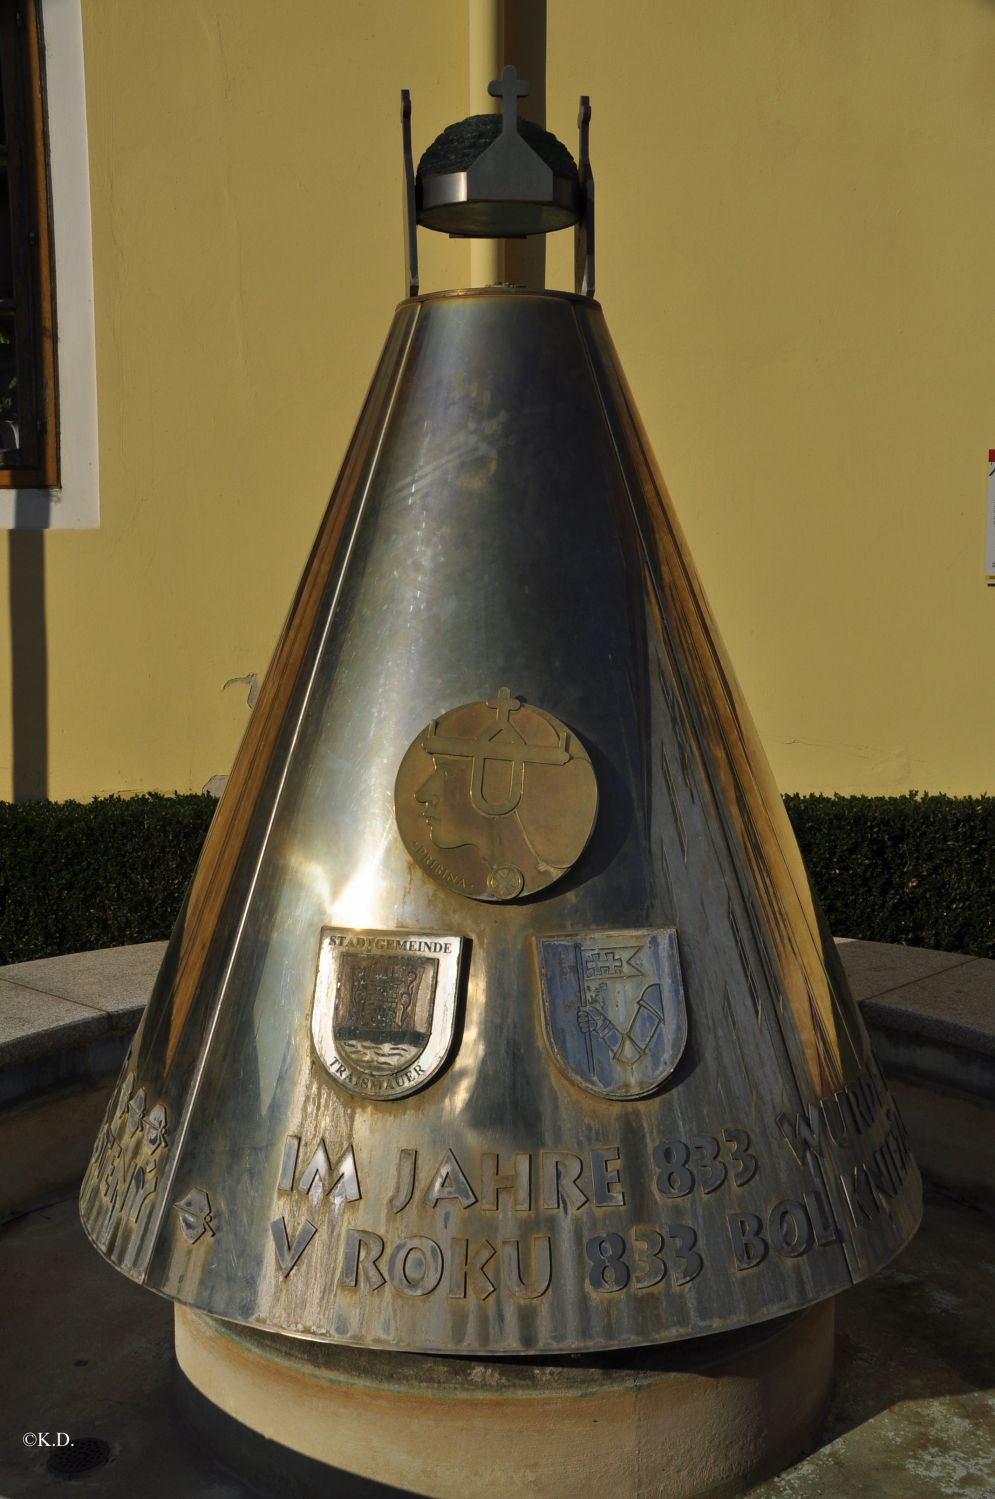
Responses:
[647,1107]
[496,799]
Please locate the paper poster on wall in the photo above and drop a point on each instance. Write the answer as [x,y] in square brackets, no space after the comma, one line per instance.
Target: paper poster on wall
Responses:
[990,529]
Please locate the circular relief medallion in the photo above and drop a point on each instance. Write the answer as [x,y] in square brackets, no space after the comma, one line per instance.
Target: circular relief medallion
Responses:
[496,799]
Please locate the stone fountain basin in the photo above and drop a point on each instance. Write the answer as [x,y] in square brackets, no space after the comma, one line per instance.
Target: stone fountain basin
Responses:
[913,1409]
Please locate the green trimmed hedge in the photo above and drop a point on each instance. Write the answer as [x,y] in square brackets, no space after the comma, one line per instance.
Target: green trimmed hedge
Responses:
[913,869]
[77,875]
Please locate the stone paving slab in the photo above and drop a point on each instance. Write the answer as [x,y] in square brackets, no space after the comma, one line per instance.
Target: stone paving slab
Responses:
[955,1006]
[33,1024]
[111,979]
[94,1359]
[946,998]
[52,1003]
[913,1409]
[876,968]
[917,1450]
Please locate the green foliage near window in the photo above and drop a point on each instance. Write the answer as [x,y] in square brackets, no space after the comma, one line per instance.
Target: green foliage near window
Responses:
[78,875]
[912,869]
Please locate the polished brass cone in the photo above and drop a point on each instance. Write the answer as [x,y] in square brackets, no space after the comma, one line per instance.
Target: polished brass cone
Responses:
[627,1103]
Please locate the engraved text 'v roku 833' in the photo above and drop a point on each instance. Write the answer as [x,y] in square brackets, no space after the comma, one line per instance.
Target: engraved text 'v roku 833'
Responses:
[496,799]
[677,1211]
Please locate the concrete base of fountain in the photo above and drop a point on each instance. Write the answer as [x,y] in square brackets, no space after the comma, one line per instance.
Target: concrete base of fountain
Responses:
[692,1421]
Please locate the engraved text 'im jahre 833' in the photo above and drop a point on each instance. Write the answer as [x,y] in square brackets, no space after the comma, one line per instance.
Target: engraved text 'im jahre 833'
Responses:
[550,1187]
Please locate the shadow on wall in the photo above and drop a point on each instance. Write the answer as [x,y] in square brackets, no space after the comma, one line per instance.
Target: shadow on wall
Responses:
[524,43]
[29,654]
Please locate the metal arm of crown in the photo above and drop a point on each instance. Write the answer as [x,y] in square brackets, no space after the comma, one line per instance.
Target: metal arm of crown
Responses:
[410,212]
[584,229]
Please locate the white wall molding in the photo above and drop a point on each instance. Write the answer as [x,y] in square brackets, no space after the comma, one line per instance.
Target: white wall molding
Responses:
[74,504]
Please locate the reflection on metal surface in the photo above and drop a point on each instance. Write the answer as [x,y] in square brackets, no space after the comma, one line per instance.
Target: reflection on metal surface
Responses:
[496,799]
[384,1008]
[498,520]
[613,1008]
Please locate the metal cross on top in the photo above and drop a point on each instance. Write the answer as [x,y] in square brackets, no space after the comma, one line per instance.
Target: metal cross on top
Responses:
[509,88]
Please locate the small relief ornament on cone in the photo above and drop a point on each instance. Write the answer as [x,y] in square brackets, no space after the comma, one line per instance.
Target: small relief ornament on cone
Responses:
[124,1171]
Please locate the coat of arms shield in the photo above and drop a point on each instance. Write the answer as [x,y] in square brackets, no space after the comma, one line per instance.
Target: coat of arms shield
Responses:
[613,1008]
[385,1008]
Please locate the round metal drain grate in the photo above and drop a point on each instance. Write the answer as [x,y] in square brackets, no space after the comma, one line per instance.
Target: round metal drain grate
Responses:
[83,1455]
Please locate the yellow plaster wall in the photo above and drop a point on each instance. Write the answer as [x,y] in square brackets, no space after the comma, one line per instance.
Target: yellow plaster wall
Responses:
[796,227]
[797,260]
[246,187]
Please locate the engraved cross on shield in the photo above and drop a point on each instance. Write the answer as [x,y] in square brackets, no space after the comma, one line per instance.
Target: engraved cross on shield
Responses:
[385,1008]
[613,1008]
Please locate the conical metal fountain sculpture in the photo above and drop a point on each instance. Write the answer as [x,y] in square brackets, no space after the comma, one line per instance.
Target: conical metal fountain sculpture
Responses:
[500,1017]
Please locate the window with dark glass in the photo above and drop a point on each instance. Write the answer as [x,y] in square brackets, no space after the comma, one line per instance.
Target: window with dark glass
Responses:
[28,428]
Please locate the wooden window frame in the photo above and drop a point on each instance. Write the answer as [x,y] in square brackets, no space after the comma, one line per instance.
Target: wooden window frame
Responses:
[36,464]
